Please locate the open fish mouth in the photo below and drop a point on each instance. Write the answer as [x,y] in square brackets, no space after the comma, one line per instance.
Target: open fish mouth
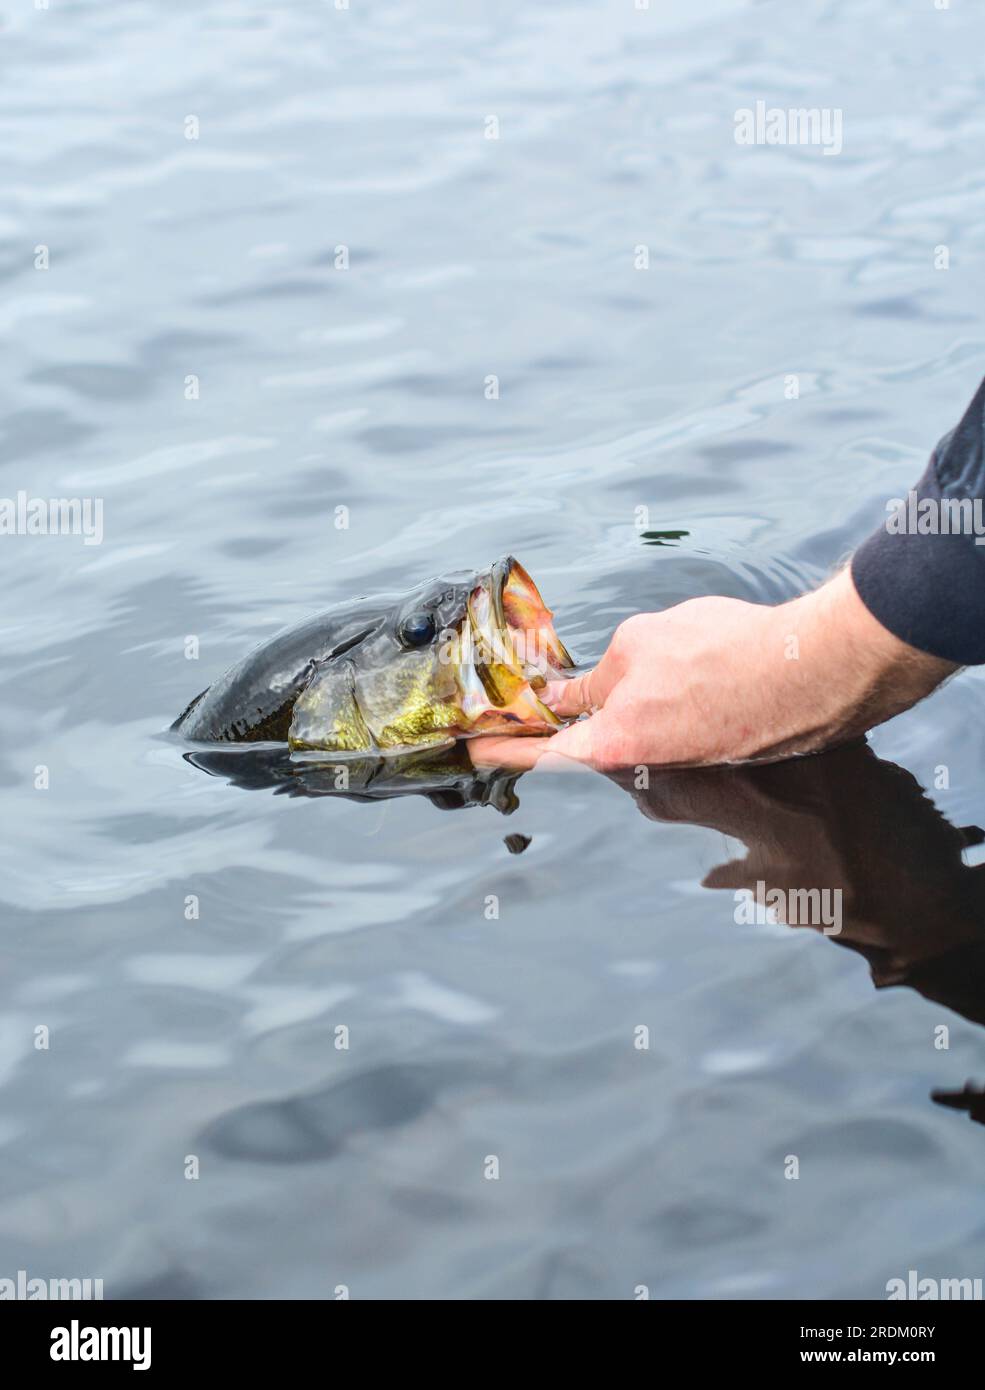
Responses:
[480,674]
[514,650]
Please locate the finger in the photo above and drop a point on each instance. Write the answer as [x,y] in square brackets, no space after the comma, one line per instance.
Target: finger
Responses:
[580,741]
[571,746]
[519,754]
[737,874]
[582,693]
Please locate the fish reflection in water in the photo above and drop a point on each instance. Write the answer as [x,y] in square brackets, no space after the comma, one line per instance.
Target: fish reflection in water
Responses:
[844,821]
[446,777]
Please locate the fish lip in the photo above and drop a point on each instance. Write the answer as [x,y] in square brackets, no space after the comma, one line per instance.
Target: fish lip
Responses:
[499,575]
[498,636]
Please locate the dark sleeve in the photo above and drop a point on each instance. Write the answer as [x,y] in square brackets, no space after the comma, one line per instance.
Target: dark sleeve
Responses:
[922,574]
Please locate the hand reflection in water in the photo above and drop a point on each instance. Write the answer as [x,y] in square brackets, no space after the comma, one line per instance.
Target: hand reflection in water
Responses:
[842,820]
[847,820]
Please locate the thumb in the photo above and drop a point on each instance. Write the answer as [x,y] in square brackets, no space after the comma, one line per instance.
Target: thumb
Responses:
[736,874]
[581,693]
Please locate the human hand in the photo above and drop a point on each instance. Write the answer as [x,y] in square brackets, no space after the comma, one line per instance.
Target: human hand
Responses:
[845,823]
[718,680]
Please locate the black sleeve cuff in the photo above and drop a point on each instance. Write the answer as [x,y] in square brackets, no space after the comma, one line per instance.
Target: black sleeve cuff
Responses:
[922,574]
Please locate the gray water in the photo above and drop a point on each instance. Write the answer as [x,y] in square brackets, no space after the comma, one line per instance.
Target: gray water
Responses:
[317,388]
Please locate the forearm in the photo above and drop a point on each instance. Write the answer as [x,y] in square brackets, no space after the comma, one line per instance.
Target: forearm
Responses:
[846,671]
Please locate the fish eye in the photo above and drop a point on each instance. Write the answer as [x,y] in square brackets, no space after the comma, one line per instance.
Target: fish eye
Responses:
[417,630]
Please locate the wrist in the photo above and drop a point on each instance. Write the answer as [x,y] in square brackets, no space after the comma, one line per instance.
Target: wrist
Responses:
[853,671]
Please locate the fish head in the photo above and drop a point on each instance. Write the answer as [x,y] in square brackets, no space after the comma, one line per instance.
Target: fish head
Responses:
[458,656]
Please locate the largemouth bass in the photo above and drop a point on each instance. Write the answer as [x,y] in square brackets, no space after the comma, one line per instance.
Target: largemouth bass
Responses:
[457,656]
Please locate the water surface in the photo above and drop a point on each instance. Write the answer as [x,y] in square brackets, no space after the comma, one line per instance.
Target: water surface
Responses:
[197,357]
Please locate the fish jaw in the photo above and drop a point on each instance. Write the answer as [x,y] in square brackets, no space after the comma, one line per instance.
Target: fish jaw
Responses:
[500,669]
